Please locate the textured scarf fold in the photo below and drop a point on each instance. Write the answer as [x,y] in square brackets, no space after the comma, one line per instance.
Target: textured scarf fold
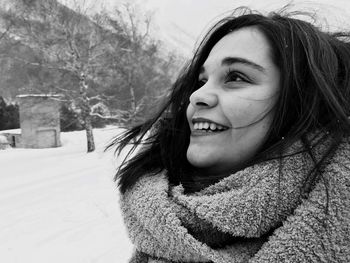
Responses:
[257,214]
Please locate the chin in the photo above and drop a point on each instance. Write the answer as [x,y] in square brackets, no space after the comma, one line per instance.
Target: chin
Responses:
[200,161]
[207,164]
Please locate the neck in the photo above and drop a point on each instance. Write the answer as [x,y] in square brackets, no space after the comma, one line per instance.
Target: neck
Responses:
[201,179]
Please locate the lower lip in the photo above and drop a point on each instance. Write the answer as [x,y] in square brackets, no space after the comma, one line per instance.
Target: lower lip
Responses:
[196,133]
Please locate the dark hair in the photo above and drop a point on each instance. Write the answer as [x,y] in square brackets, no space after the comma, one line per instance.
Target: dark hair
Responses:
[314,96]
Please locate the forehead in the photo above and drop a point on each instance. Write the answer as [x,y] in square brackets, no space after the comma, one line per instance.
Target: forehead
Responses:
[248,43]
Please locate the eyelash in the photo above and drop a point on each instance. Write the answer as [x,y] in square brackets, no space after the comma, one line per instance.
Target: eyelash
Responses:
[230,76]
[201,83]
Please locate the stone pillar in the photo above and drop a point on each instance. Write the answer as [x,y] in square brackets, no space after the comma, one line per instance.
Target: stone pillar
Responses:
[39,121]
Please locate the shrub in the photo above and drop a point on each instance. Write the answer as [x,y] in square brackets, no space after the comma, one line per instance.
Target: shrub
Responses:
[9,115]
[69,120]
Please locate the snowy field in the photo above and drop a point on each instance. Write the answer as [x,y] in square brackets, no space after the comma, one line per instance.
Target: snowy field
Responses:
[61,204]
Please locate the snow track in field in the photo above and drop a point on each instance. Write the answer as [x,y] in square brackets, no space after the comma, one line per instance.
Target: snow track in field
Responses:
[61,204]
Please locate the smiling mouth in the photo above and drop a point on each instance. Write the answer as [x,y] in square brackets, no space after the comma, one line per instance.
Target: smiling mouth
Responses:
[201,126]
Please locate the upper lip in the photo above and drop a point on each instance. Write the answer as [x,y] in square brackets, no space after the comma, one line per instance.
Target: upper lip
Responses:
[200,119]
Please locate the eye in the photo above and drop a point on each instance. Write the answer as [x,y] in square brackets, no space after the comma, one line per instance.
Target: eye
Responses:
[235,76]
[201,82]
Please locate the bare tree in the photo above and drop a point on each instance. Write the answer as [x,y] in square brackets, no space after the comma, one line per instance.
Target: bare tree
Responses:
[145,69]
[93,51]
[68,42]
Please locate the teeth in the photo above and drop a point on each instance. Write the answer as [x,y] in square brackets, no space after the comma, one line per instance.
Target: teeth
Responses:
[207,125]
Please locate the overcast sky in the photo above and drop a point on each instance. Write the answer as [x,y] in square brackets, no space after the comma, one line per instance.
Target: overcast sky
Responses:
[195,16]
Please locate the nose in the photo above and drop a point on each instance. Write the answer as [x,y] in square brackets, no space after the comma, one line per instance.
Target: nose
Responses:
[204,97]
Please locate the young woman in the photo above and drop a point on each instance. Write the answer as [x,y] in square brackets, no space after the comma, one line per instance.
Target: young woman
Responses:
[248,160]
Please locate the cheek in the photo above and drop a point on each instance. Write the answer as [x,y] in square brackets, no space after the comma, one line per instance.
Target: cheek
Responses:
[189,112]
[240,112]
[245,111]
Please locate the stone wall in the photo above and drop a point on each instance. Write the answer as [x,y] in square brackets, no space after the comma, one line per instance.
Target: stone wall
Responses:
[39,121]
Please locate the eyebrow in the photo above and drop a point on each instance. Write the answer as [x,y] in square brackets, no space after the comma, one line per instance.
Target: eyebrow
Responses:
[232,60]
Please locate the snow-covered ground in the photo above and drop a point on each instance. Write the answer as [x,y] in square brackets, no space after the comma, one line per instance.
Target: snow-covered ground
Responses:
[61,204]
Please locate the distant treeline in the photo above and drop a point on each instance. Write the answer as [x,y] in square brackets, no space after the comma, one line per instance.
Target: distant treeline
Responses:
[69,120]
[9,118]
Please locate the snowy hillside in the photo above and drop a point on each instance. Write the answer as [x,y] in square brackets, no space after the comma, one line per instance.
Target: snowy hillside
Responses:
[61,204]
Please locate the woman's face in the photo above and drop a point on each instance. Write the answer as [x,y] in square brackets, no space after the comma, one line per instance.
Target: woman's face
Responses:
[230,114]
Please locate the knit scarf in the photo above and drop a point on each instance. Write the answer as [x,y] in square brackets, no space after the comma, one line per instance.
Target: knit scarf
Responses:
[259,214]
